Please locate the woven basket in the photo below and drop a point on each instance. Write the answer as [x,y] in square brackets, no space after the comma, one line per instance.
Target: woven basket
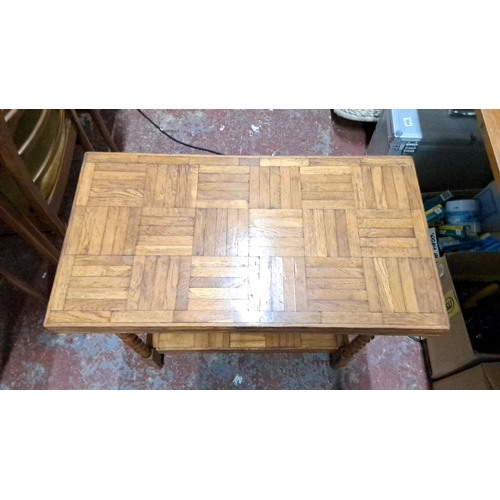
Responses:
[359,115]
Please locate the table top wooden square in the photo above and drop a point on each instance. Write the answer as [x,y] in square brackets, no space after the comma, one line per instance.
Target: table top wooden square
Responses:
[162,243]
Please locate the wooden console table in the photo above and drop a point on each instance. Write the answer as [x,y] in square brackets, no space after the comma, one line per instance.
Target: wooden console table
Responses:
[227,253]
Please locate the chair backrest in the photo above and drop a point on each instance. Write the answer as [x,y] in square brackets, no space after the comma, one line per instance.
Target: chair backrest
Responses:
[11,161]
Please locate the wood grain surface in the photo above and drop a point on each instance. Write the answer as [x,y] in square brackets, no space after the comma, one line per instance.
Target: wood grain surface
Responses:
[184,244]
[253,340]
[489,121]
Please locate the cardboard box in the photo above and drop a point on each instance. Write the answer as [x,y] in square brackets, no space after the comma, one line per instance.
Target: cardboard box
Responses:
[485,376]
[474,266]
[452,353]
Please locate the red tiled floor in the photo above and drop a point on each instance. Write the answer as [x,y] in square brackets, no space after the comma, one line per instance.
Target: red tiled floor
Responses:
[32,358]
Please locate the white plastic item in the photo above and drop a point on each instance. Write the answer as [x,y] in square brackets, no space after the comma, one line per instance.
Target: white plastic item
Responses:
[489,213]
[475,227]
[462,206]
[462,211]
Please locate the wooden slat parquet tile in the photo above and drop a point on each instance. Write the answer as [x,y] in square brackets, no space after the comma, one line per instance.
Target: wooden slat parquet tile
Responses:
[272,253]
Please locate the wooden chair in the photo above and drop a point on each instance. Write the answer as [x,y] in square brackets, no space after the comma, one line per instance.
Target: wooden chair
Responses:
[82,135]
[11,160]
[45,207]
[45,141]
[9,278]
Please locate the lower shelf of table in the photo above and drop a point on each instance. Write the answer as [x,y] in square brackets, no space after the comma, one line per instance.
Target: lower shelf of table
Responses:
[238,342]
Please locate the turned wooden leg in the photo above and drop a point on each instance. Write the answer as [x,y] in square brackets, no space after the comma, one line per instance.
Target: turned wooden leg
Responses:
[148,354]
[344,355]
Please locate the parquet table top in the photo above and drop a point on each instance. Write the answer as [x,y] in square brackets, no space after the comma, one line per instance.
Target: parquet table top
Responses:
[173,244]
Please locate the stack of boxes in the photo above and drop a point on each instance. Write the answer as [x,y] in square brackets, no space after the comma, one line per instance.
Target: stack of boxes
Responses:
[455,225]
[464,232]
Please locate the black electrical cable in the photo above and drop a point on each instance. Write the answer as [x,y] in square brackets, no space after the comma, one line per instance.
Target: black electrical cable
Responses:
[174,139]
[416,339]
